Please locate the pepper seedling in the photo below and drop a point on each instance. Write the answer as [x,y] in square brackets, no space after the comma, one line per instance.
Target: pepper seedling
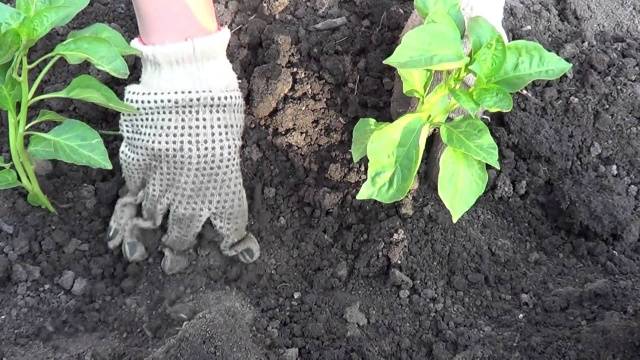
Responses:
[71,141]
[436,49]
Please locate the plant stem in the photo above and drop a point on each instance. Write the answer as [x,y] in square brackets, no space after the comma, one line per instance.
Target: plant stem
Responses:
[13,146]
[41,76]
[40,98]
[34,188]
[40,60]
[14,126]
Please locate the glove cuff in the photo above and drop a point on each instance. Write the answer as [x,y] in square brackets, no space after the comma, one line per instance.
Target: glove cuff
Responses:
[195,64]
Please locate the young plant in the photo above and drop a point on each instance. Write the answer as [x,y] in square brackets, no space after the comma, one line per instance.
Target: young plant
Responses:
[71,141]
[435,49]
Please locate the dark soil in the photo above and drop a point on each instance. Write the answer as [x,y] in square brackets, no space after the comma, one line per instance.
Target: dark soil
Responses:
[546,266]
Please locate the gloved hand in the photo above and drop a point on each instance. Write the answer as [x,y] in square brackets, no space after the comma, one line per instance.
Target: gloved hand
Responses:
[181,152]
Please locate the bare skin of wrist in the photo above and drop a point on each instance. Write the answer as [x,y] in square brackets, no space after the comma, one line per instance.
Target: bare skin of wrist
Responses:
[169,21]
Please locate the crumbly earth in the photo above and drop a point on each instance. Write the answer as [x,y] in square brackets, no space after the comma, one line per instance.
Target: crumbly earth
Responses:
[546,266]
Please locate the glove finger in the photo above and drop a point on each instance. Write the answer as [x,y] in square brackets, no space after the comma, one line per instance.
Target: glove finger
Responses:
[124,211]
[247,249]
[132,249]
[154,206]
[174,262]
[183,229]
[231,222]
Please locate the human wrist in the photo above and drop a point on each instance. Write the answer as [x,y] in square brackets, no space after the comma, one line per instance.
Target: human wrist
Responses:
[168,21]
[199,63]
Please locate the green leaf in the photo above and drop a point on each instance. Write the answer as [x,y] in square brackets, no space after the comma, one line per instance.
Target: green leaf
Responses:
[465,100]
[41,16]
[9,43]
[395,153]
[8,179]
[73,142]
[480,32]
[9,96]
[362,134]
[461,181]
[527,61]
[5,73]
[97,51]
[105,32]
[9,18]
[87,88]
[436,104]
[48,115]
[471,136]
[415,82]
[490,58]
[25,6]
[433,10]
[9,88]
[493,98]
[434,46]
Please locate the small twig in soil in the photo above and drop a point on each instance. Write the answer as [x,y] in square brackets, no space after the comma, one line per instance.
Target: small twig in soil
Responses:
[62,206]
[330,24]
[111,133]
[341,40]
[241,26]
[526,93]
[382,19]
[357,83]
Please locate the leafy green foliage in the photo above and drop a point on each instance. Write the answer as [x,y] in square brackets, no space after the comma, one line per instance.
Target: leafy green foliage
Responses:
[415,83]
[461,181]
[489,59]
[444,52]
[9,17]
[493,98]
[434,50]
[90,89]
[465,100]
[471,136]
[71,141]
[395,152]
[9,88]
[98,51]
[42,16]
[47,115]
[527,61]
[8,179]
[361,136]
[480,32]
[434,10]
[107,33]
[11,43]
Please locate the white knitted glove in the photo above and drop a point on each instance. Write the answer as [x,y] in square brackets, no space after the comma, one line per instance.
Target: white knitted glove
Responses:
[181,152]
